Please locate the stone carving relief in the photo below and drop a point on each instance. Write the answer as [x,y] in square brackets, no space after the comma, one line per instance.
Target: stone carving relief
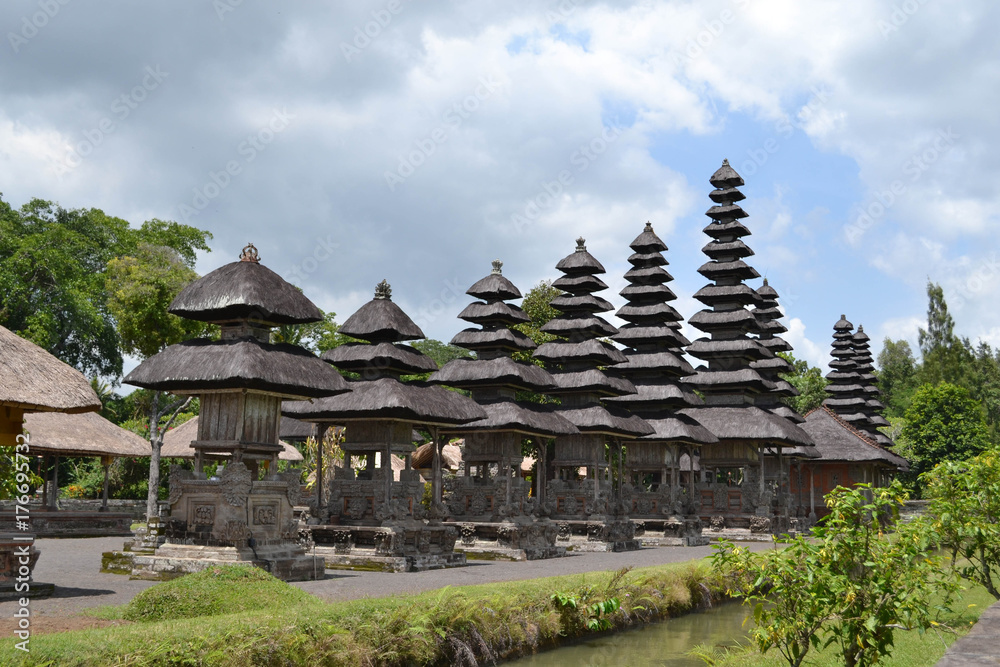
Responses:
[177,476]
[204,515]
[265,515]
[236,483]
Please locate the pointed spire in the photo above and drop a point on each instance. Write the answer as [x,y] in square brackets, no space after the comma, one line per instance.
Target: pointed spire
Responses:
[846,394]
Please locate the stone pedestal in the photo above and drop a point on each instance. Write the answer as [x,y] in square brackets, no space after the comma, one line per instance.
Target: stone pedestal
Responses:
[580,510]
[396,546]
[18,556]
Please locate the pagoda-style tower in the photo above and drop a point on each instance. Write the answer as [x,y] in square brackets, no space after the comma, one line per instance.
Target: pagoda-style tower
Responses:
[491,500]
[589,510]
[655,364]
[733,492]
[847,396]
[375,519]
[240,379]
[873,407]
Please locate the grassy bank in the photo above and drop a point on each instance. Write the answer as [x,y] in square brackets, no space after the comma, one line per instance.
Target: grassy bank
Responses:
[912,649]
[225,618]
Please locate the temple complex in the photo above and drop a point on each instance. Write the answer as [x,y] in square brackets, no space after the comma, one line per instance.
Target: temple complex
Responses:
[373,520]
[585,495]
[872,409]
[244,512]
[733,492]
[492,504]
[657,503]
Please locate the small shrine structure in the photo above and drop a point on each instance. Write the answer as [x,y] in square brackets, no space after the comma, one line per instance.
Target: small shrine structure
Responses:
[585,496]
[491,503]
[655,500]
[371,519]
[244,513]
[733,493]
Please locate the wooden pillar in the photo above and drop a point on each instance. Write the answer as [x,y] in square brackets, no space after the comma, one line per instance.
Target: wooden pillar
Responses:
[106,464]
[812,501]
[55,484]
[691,503]
[760,454]
[387,472]
[45,481]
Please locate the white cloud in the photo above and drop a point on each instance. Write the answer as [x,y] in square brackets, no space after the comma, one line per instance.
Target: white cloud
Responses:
[804,348]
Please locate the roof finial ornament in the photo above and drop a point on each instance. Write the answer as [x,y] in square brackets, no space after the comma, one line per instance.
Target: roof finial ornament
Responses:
[861,328]
[383,291]
[843,317]
[497,265]
[765,281]
[649,227]
[580,244]
[249,254]
[725,162]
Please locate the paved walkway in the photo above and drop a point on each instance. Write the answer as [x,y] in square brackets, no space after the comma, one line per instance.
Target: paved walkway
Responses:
[73,565]
[981,646]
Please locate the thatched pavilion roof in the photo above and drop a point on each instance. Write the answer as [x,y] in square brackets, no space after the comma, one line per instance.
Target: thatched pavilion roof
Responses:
[749,424]
[294,429]
[32,379]
[244,290]
[530,419]
[381,321]
[246,363]
[451,456]
[86,434]
[838,441]
[177,443]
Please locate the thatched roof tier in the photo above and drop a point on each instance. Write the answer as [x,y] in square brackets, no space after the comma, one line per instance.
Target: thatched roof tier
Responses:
[711,321]
[529,419]
[744,380]
[591,326]
[663,395]
[494,287]
[726,195]
[177,443]
[836,441]
[726,230]
[202,364]
[775,364]
[647,259]
[726,212]
[510,340]
[244,290]
[580,262]
[593,351]
[478,312]
[847,395]
[86,434]
[863,367]
[635,335]
[647,241]
[379,358]
[663,362]
[583,284]
[855,403]
[388,399]
[741,295]
[748,424]
[726,177]
[742,348]
[649,313]
[737,248]
[768,313]
[639,291]
[381,321]
[591,381]
[776,345]
[611,421]
[679,429]
[583,302]
[783,410]
[32,379]
[716,270]
[293,429]
[498,372]
[648,275]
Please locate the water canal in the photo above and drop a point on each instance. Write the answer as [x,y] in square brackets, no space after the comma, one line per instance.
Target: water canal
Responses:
[664,643]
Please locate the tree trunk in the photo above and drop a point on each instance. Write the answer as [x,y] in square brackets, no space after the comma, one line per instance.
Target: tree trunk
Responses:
[156,442]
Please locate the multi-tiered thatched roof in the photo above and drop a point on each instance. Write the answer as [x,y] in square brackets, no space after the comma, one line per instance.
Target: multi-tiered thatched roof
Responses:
[847,396]
[768,314]
[873,407]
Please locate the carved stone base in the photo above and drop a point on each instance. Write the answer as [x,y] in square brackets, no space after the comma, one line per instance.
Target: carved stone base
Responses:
[286,562]
[373,563]
[404,546]
[597,535]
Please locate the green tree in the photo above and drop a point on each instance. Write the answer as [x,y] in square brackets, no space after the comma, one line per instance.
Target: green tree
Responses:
[943,423]
[809,382]
[897,376]
[440,352]
[317,337]
[946,358]
[141,288]
[537,304]
[964,511]
[848,585]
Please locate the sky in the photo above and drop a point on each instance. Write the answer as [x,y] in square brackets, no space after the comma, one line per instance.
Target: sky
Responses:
[416,142]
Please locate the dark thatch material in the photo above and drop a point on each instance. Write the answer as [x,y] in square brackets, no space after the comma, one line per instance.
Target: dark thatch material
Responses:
[748,423]
[494,339]
[648,241]
[656,396]
[595,351]
[530,419]
[726,212]
[735,381]
[737,248]
[381,357]
[726,177]
[494,286]
[647,313]
[566,326]
[294,430]
[34,380]
[664,361]
[592,380]
[742,348]
[783,410]
[423,458]
[679,429]
[733,228]
[388,399]
[87,434]
[647,259]
[726,194]
[584,283]
[709,321]
[648,275]
[613,422]
[498,372]
[238,364]
[177,443]
[836,441]
[741,294]
[479,312]
[244,290]
[381,321]
[580,261]
[716,269]
[632,336]
[583,302]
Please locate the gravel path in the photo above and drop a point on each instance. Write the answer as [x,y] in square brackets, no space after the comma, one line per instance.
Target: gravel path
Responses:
[73,565]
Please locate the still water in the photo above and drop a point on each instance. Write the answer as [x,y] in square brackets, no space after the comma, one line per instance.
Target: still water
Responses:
[664,643]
